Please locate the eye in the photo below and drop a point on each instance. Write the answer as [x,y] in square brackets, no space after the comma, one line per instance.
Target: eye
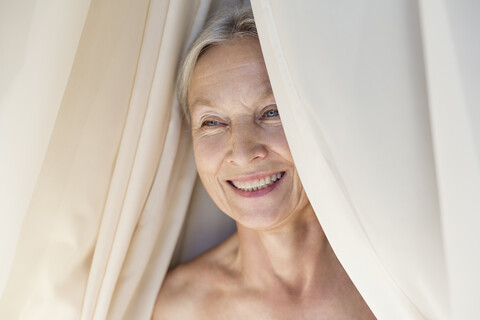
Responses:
[271,113]
[210,123]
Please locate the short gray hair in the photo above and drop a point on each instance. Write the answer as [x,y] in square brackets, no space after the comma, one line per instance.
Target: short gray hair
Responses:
[223,27]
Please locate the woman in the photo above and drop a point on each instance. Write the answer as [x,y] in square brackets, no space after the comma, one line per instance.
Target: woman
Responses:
[279,264]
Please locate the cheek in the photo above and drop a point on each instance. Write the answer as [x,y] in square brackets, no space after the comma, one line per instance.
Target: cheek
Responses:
[279,144]
[209,155]
[278,141]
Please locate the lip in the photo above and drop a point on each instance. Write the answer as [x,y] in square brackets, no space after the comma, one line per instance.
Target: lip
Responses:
[256,193]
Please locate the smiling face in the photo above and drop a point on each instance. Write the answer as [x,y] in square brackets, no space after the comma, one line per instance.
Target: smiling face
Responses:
[240,148]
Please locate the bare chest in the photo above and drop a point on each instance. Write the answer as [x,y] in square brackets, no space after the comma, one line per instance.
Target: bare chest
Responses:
[278,307]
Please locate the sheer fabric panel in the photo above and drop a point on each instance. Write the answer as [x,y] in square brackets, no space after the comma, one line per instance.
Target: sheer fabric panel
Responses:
[378,105]
[115,180]
[452,51]
[38,45]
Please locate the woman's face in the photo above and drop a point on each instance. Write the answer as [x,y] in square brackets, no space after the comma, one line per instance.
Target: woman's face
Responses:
[240,148]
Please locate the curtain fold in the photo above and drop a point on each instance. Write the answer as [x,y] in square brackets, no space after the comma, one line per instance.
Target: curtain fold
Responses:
[379,113]
[116,178]
[37,48]
[162,177]
[451,52]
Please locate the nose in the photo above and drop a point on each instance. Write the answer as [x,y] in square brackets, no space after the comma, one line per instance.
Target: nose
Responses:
[246,144]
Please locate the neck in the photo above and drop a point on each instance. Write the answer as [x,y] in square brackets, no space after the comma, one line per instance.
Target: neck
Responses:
[293,256]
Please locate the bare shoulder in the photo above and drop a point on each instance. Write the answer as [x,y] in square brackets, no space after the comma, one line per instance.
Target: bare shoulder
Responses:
[187,288]
[174,301]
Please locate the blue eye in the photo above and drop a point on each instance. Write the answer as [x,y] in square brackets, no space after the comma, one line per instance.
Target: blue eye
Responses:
[210,123]
[271,113]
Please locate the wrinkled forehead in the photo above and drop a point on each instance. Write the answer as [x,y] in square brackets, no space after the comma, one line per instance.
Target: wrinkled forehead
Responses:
[234,70]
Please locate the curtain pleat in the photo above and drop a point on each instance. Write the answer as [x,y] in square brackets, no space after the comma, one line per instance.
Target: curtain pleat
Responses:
[451,53]
[150,218]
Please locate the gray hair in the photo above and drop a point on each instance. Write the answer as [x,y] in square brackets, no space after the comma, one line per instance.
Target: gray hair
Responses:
[223,27]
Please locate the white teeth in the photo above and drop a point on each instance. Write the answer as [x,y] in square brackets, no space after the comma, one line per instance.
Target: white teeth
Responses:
[257,184]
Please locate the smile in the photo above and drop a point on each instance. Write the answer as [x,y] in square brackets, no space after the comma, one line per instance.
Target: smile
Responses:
[257,184]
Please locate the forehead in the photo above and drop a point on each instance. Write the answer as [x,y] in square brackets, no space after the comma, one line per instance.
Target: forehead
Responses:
[228,73]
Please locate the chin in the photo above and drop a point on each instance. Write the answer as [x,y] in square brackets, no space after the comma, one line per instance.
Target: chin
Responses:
[262,220]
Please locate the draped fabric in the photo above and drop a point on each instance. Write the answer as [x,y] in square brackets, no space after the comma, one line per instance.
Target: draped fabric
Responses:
[379,102]
[35,62]
[97,171]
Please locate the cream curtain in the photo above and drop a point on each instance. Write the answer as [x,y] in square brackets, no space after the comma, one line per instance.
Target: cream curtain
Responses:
[379,101]
[35,62]
[96,168]
[380,104]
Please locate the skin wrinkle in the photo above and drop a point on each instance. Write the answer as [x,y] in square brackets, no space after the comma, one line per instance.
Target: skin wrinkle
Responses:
[279,265]
[267,93]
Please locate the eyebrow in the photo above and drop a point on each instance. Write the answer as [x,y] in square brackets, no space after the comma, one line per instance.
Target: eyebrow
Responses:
[267,89]
[202,102]
[266,93]
[198,105]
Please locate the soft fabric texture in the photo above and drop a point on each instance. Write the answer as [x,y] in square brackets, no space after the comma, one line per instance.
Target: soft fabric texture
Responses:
[378,103]
[104,194]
